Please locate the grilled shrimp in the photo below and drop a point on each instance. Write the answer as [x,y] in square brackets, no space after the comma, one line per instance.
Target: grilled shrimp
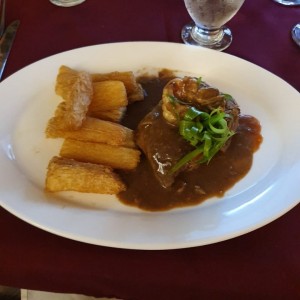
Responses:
[181,93]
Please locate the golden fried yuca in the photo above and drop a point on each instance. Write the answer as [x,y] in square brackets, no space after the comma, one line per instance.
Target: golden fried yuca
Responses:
[134,90]
[138,94]
[93,130]
[60,111]
[114,115]
[61,116]
[68,79]
[76,89]
[114,156]
[70,175]
[108,95]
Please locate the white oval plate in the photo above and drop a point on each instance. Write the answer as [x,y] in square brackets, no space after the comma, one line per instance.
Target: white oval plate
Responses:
[269,190]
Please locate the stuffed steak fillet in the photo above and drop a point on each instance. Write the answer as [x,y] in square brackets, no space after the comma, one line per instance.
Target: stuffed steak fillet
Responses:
[191,123]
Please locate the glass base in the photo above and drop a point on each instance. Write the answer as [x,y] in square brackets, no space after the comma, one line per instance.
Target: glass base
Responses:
[296,34]
[218,39]
[288,2]
[66,3]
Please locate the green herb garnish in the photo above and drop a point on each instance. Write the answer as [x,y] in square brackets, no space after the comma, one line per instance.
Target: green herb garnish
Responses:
[199,80]
[227,97]
[207,132]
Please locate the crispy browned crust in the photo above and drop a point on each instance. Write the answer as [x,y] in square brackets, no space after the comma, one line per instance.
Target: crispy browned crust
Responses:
[108,95]
[70,175]
[134,90]
[116,157]
[76,89]
[114,115]
[93,130]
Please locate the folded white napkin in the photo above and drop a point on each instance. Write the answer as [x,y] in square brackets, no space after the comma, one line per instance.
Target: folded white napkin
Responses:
[39,295]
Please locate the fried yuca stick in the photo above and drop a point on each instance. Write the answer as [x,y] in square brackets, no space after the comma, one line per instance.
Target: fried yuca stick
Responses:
[70,175]
[114,115]
[93,130]
[76,89]
[99,153]
[134,89]
[108,95]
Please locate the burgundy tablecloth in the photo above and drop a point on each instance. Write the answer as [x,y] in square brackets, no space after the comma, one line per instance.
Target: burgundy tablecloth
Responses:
[264,264]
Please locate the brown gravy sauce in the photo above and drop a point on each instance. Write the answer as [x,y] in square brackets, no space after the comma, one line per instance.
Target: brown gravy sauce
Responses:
[191,187]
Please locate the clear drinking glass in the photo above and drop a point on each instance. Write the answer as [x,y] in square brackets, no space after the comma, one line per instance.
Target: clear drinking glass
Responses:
[66,3]
[288,2]
[209,17]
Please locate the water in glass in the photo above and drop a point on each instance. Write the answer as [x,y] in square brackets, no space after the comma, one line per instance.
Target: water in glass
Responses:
[209,17]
